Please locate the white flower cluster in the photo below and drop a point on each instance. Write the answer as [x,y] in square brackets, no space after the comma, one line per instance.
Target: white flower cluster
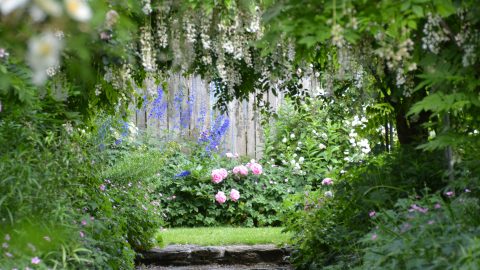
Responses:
[435,34]
[189,30]
[98,89]
[146,49]
[162,31]
[44,54]
[147,7]
[119,78]
[3,53]
[337,35]
[297,165]
[467,39]
[45,49]
[397,58]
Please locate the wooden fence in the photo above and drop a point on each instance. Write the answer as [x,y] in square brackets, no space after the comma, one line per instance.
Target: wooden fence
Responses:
[187,108]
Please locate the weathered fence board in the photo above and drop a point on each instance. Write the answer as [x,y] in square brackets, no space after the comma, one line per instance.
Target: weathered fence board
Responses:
[189,109]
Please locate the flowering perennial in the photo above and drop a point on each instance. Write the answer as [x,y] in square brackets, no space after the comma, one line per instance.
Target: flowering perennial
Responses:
[219,175]
[220,197]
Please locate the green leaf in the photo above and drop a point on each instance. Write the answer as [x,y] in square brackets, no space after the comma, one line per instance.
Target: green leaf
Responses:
[417,10]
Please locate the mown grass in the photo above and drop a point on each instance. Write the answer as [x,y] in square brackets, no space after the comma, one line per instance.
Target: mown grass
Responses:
[216,236]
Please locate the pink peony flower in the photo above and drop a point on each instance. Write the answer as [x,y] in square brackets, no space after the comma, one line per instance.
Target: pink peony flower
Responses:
[84,222]
[224,173]
[217,176]
[374,236]
[450,193]
[220,197]
[82,234]
[234,195]
[36,260]
[437,206]
[229,155]
[256,168]
[372,213]
[102,187]
[327,181]
[240,170]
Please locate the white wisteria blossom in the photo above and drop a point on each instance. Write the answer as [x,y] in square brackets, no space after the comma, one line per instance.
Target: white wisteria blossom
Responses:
[79,10]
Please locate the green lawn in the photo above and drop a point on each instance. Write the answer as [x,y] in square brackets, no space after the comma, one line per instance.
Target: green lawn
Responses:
[223,236]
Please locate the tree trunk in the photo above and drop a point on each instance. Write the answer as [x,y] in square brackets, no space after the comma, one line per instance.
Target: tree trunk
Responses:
[411,131]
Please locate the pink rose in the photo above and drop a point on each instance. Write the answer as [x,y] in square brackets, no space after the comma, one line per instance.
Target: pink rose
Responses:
[217,176]
[240,170]
[234,195]
[220,197]
[327,181]
[256,168]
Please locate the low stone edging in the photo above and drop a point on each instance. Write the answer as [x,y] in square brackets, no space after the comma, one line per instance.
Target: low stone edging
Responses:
[182,255]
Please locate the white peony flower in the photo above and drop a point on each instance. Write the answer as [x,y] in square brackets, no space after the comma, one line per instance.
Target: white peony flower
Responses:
[8,6]
[78,10]
[43,53]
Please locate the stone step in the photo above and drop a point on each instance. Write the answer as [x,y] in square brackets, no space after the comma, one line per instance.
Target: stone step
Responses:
[185,255]
[260,266]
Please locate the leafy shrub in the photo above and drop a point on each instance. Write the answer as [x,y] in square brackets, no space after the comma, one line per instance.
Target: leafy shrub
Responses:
[313,142]
[54,204]
[183,187]
[326,232]
[425,233]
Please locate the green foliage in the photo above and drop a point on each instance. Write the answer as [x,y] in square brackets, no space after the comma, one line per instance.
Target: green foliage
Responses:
[52,205]
[428,232]
[326,230]
[190,200]
[314,141]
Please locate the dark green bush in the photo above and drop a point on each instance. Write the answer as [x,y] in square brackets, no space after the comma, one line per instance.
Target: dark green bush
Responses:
[431,232]
[326,231]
